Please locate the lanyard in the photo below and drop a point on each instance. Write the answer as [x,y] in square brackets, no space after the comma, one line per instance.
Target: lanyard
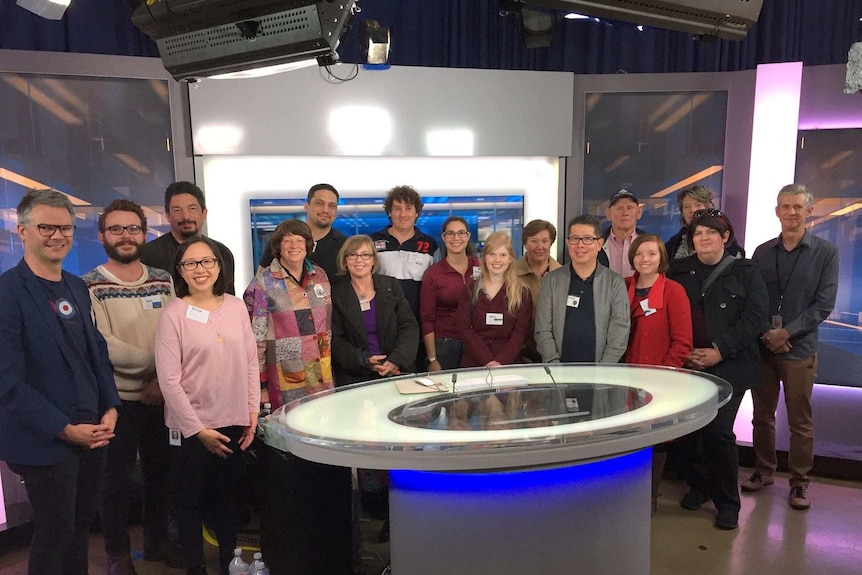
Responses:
[778,273]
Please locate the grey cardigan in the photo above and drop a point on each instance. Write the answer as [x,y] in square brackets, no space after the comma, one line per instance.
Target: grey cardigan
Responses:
[613,316]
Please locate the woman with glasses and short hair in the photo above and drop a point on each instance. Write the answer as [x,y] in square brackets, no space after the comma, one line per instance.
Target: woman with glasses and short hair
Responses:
[290,302]
[206,362]
[374,332]
[729,306]
[290,307]
[374,335]
[443,286]
[689,201]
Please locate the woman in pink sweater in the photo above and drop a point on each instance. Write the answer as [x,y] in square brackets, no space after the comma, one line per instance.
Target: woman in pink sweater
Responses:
[206,360]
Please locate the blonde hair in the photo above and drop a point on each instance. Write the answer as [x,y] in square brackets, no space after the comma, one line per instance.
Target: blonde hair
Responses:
[514,286]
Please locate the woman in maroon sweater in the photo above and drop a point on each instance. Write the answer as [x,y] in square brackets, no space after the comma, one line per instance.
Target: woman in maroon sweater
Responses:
[660,322]
[443,287]
[494,321]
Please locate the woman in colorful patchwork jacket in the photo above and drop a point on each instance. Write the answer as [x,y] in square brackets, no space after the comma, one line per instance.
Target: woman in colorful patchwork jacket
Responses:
[291,316]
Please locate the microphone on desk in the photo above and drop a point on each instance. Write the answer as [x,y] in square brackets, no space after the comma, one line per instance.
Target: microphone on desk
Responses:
[454,380]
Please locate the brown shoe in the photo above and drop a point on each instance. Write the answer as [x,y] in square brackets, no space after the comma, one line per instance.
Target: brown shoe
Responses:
[757,481]
[120,565]
[799,498]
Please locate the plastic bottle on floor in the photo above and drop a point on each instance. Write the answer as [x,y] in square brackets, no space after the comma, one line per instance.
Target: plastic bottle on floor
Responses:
[256,564]
[261,570]
[237,566]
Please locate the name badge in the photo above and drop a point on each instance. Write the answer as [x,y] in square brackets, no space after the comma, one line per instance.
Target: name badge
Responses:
[493,319]
[151,302]
[776,322]
[648,311]
[197,314]
[477,272]
[573,301]
[319,291]
[364,304]
[175,438]
[380,245]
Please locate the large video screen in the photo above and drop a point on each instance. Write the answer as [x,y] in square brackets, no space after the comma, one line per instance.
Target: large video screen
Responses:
[484,214]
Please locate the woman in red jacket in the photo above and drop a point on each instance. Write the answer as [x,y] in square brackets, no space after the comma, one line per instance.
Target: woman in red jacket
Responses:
[660,322]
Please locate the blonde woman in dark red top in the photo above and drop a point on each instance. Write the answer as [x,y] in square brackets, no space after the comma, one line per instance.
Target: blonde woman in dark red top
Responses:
[495,322]
[443,287]
[660,322]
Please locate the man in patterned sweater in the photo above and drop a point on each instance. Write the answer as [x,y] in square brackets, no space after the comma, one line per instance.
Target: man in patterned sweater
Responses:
[127,298]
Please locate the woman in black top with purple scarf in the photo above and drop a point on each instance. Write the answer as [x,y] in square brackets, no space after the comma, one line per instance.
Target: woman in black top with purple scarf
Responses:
[374,331]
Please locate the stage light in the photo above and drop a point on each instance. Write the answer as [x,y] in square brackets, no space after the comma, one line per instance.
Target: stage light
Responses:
[51,9]
[374,44]
[539,27]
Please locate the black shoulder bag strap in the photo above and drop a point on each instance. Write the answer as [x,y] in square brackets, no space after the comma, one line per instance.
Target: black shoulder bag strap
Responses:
[723,265]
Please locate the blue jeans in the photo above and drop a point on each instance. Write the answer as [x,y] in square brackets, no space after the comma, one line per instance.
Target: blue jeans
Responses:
[449,352]
[65,499]
[140,429]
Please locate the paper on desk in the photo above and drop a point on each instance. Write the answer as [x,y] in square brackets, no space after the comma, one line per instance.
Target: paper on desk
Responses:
[490,382]
[420,385]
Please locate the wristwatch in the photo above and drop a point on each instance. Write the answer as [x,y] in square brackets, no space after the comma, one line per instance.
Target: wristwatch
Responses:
[430,360]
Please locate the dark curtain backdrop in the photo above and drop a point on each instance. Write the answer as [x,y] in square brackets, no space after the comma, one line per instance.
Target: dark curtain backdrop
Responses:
[472,34]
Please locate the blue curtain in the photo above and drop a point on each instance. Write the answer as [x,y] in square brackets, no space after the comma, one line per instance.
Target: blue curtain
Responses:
[472,34]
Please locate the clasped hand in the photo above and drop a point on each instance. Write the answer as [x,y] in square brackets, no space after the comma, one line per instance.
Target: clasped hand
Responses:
[703,357]
[777,340]
[383,367]
[91,435]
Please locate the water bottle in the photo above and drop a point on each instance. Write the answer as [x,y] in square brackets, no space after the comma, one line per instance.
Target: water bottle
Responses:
[261,570]
[237,566]
[256,564]
[267,409]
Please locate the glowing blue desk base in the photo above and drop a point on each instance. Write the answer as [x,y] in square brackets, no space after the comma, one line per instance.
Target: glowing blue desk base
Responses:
[591,518]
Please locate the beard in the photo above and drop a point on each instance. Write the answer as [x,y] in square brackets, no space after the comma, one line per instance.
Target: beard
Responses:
[124,258]
[188,233]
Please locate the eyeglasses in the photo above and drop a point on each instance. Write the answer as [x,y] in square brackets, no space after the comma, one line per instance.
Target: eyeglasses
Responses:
[451,234]
[191,265]
[48,230]
[364,257]
[118,230]
[710,212]
[586,240]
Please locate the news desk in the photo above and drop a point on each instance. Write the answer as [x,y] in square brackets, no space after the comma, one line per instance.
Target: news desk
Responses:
[517,469]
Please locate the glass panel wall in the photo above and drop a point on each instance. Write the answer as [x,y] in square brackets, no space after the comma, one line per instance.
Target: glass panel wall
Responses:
[827,161]
[653,144]
[94,138]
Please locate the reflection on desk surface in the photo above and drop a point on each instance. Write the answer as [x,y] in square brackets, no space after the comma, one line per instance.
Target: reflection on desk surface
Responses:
[534,407]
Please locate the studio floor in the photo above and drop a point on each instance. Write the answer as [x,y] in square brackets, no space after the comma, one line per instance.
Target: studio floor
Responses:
[772,538]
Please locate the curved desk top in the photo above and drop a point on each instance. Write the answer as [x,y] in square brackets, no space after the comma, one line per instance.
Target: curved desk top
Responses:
[506,417]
